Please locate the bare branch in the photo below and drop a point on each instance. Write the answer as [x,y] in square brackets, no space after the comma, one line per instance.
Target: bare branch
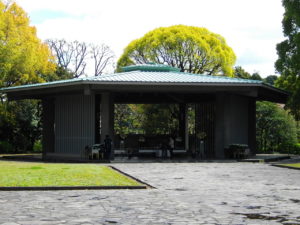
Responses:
[75,56]
[102,56]
[80,53]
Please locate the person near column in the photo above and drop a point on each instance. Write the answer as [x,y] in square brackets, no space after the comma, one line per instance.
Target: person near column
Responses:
[171,146]
[107,146]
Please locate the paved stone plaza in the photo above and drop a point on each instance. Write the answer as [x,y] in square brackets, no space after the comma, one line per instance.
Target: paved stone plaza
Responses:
[187,193]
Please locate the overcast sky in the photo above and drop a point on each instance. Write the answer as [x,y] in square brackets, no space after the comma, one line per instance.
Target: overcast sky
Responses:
[251,27]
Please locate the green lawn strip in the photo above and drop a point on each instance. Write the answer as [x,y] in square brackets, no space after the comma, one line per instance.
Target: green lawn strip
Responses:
[20,174]
[24,154]
[293,165]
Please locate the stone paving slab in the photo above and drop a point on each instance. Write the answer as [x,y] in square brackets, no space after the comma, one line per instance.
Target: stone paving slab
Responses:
[187,193]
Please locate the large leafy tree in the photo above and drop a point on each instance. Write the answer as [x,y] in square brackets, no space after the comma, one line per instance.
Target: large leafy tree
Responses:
[288,63]
[192,49]
[24,59]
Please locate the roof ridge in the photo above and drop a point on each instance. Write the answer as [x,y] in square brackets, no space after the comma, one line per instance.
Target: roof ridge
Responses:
[111,75]
[219,76]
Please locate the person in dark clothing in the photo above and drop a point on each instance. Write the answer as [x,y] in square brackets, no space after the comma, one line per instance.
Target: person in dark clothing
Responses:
[171,146]
[107,146]
[164,150]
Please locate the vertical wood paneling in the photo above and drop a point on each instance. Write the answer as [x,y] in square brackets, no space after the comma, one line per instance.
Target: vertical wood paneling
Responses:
[205,124]
[48,126]
[252,125]
[74,124]
[232,122]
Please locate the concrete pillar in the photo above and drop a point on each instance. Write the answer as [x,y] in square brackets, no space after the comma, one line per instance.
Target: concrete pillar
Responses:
[97,118]
[107,115]
[183,125]
[220,125]
[48,133]
[232,122]
[252,126]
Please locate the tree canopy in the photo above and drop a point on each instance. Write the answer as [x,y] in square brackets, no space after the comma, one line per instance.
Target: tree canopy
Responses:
[23,57]
[288,63]
[276,130]
[239,72]
[192,49]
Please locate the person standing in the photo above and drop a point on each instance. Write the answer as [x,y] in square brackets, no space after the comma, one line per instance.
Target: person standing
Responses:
[107,146]
[171,147]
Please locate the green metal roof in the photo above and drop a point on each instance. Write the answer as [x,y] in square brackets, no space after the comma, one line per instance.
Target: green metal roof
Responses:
[145,74]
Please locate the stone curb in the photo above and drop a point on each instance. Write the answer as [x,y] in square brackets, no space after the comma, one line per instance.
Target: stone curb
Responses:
[58,188]
[127,175]
[287,167]
[274,159]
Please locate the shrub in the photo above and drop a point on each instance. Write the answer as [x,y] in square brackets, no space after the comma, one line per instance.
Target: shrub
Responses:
[6,147]
[276,130]
[37,147]
[296,149]
[290,149]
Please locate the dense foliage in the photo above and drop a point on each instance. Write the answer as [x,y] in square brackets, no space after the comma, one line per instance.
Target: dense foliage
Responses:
[24,59]
[276,130]
[192,49]
[146,119]
[239,72]
[20,127]
[288,63]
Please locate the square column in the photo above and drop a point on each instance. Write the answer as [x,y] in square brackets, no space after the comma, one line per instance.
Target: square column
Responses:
[106,116]
[184,125]
[48,117]
[252,126]
[232,122]
[220,125]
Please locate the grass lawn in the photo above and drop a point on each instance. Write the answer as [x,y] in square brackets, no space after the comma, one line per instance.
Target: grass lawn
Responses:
[294,165]
[23,174]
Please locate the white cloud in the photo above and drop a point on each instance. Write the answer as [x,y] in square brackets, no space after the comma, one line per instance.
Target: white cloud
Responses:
[251,28]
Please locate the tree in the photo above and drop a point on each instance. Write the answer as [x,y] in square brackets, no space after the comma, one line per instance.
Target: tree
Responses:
[70,56]
[275,128]
[271,79]
[159,118]
[288,63]
[23,57]
[239,72]
[102,56]
[255,76]
[73,57]
[20,125]
[192,49]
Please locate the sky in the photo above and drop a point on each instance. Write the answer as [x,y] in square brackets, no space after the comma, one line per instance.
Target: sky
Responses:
[252,28]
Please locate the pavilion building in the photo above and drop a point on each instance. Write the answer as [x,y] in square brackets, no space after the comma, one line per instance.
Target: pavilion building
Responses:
[80,112]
